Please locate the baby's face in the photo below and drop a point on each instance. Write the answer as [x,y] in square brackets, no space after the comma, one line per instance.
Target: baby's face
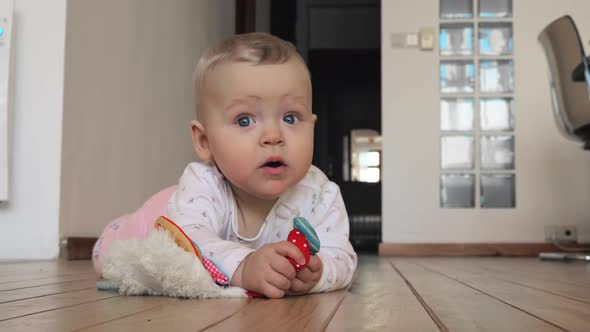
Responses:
[259,125]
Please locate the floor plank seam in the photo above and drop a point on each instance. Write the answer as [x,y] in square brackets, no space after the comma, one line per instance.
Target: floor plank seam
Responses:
[226,318]
[348,289]
[542,290]
[439,323]
[53,309]
[90,275]
[53,283]
[115,319]
[575,284]
[494,297]
[491,273]
[39,296]
[327,322]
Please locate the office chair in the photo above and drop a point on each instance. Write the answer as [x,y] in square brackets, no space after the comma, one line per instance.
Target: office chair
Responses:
[569,79]
[569,74]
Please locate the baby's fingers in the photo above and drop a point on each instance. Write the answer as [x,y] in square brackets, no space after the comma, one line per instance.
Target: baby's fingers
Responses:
[315,263]
[281,265]
[305,274]
[279,281]
[288,249]
[272,292]
[297,286]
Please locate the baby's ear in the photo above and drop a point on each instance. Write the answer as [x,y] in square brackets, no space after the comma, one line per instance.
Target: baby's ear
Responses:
[200,141]
[315,118]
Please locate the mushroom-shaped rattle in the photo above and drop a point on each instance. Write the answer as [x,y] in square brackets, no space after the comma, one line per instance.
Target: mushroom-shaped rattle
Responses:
[305,238]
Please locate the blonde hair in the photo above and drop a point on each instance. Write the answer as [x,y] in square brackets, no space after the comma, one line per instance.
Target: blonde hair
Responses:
[257,48]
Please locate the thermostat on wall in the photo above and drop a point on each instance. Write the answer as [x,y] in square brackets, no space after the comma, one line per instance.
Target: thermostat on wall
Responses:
[6,14]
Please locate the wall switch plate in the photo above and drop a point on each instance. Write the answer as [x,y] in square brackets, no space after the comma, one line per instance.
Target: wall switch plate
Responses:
[426,38]
[404,40]
[412,40]
[561,233]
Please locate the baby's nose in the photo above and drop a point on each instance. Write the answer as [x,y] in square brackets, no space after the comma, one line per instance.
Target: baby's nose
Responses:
[272,136]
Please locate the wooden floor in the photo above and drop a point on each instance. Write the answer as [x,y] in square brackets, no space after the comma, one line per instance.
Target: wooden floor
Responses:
[389,294]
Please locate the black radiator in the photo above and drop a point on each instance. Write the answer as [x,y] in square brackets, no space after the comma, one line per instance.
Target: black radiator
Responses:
[365,232]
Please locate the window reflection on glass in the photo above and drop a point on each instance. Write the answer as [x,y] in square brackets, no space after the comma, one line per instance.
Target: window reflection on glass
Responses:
[370,174]
[496,114]
[495,38]
[497,152]
[365,155]
[495,8]
[456,39]
[496,76]
[457,76]
[370,158]
[453,9]
[457,191]
[497,191]
[457,152]
[456,114]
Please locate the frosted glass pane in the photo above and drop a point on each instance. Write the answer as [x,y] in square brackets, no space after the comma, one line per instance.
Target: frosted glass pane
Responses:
[457,191]
[456,39]
[369,158]
[496,114]
[457,76]
[371,174]
[456,9]
[497,191]
[457,152]
[495,8]
[495,38]
[496,76]
[497,152]
[456,114]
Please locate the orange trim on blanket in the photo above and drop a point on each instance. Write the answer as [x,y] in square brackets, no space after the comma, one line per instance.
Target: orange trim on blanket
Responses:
[176,231]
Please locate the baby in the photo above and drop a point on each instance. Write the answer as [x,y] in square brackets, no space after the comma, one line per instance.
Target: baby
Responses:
[254,136]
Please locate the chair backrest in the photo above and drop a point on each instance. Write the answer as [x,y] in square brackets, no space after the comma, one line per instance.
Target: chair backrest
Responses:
[571,99]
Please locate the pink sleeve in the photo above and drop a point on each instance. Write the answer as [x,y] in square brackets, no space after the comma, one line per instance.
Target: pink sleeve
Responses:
[136,225]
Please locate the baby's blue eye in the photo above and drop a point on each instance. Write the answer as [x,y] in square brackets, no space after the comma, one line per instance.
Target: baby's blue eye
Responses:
[245,121]
[290,119]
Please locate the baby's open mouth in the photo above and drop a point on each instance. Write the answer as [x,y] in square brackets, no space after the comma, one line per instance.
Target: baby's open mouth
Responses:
[273,164]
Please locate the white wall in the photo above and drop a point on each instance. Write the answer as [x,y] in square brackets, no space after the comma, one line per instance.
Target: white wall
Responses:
[30,221]
[221,19]
[128,102]
[125,105]
[552,174]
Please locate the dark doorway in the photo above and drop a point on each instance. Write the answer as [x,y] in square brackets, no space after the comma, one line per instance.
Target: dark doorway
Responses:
[341,43]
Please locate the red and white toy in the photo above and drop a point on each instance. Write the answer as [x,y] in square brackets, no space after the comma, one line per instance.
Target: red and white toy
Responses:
[305,238]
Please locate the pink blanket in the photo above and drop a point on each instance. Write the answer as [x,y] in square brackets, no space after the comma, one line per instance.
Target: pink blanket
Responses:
[135,225]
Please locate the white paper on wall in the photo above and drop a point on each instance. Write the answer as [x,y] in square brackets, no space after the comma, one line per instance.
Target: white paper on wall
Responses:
[6,15]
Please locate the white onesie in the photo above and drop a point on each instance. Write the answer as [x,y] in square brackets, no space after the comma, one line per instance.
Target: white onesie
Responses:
[204,206]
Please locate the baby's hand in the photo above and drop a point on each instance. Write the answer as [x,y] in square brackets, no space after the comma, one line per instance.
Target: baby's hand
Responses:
[308,277]
[267,270]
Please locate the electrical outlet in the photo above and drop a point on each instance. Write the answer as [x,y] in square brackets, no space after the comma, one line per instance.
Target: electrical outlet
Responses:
[561,233]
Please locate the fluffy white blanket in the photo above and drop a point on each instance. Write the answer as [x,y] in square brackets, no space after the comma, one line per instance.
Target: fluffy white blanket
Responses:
[157,266]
